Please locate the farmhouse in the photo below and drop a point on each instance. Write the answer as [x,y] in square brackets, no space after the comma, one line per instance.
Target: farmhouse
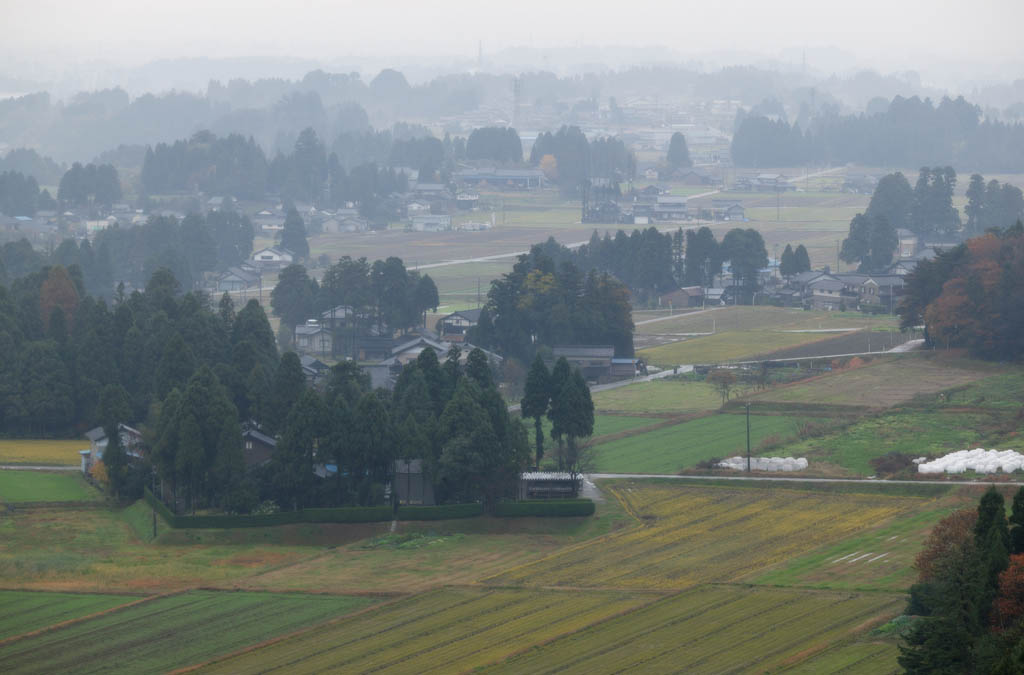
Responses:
[467,201]
[727,209]
[238,279]
[594,361]
[669,208]
[454,326]
[257,448]
[337,317]
[274,257]
[429,223]
[691,296]
[509,179]
[131,441]
[314,338]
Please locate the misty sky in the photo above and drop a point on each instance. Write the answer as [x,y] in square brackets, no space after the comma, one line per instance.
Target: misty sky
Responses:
[902,33]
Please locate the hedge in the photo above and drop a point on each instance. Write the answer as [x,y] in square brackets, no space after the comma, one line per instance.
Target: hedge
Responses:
[347,514]
[375,514]
[445,512]
[545,507]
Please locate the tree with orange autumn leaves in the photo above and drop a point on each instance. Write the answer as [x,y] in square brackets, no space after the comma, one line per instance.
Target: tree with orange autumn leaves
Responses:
[973,296]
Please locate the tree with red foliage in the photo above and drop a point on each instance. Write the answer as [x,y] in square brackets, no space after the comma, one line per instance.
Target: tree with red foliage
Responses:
[1008,607]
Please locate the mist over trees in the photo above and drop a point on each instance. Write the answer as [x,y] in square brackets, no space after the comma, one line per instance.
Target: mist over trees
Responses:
[569,159]
[910,132]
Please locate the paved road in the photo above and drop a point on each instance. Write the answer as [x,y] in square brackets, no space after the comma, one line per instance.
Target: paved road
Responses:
[590,477]
[676,316]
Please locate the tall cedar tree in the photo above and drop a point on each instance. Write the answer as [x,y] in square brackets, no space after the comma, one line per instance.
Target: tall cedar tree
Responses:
[293,235]
[536,396]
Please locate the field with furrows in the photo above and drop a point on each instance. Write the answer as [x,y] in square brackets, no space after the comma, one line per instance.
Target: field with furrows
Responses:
[689,534]
[710,629]
[170,632]
[444,631]
[25,611]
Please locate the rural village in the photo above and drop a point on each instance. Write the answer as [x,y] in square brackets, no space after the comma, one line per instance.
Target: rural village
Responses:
[653,370]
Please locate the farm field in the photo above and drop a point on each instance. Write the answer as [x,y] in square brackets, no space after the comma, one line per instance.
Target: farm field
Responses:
[43,486]
[680,542]
[909,432]
[449,630]
[604,425]
[97,549]
[25,611]
[881,559]
[856,658]
[672,396]
[854,342]
[880,383]
[711,629]
[170,632]
[413,561]
[41,451]
[724,347]
[747,318]
[672,449]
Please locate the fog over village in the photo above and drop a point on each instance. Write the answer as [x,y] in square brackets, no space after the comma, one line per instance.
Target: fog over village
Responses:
[576,337]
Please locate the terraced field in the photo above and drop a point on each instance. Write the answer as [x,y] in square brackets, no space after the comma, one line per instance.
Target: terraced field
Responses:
[880,383]
[674,448]
[682,539]
[170,632]
[43,452]
[445,631]
[858,658]
[711,629]
[25,611]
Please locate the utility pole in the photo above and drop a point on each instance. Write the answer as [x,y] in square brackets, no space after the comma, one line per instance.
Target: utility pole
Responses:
[748,438]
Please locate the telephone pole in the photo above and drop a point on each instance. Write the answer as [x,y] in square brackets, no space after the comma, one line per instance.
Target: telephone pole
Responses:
[748,437]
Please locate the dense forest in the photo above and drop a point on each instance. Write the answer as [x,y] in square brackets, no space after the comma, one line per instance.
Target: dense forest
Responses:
[569,159]
[910,132]
[540,304]
[189,247]
[967,606]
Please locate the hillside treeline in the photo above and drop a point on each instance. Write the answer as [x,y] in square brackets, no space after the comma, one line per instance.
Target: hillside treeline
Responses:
[972,296]
[569,159]
[911,132]
[189,247]
[967,608]
[540,303]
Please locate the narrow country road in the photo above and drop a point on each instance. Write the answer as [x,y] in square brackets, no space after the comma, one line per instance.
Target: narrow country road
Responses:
[793,479]
[37,467]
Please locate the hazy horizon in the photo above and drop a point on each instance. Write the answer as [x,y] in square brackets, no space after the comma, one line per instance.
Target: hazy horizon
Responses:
[71,45]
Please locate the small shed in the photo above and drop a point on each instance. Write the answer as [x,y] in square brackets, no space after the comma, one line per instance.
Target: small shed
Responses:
[257,448]
[548,485]
[411,485]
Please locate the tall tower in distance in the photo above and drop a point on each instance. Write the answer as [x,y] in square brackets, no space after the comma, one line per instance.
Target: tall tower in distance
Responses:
[517,93]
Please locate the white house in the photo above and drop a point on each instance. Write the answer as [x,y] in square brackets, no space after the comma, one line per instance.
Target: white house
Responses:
[274,257]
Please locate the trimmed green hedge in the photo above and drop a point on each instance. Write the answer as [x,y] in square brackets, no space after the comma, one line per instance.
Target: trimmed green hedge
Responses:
[545,507]
[375,514]
[348,514]
[445,512]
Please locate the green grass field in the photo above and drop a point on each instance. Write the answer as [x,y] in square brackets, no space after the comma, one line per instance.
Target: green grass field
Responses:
[41,451]
[446,631]
[96,549]
[25,611]
[603,426]
[672,449]
[171,632]
[914,433]
[711,629]
[668,396]
[42,486]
